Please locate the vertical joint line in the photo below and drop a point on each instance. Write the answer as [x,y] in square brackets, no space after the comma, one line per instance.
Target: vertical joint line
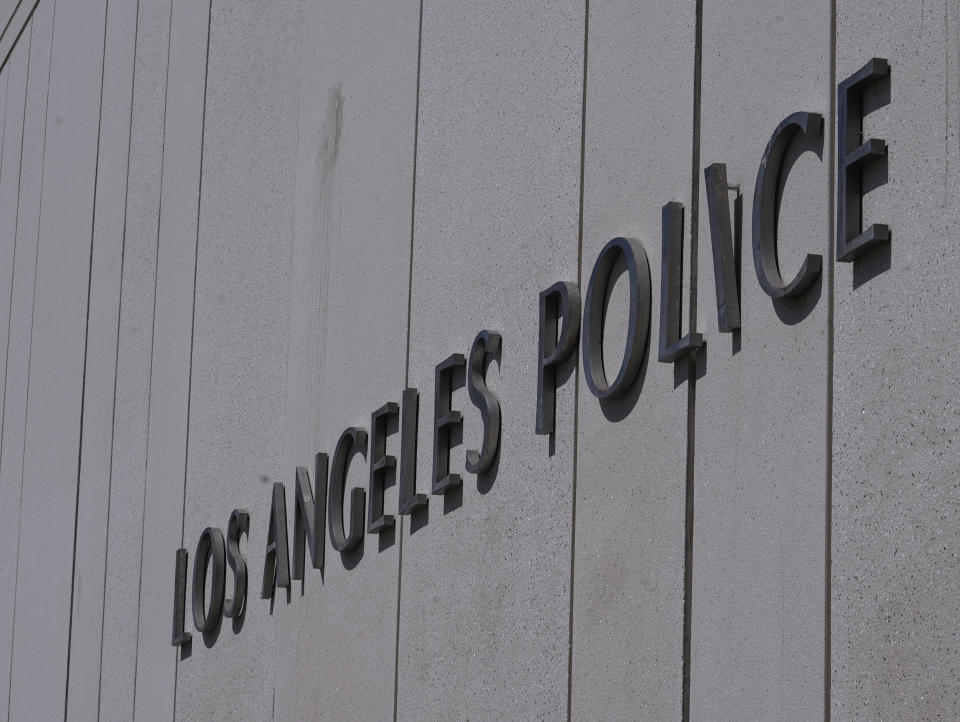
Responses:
[576,375]
[153,335]
[33,316]
[686,661]
[193,314]
[406,367]
[83,380]
[116,359]
[828,486]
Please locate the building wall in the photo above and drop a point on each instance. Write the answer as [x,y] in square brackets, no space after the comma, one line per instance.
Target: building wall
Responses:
[229,231]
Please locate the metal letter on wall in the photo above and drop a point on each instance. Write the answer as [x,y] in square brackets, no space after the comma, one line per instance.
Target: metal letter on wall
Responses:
[672,347]
[765,208]
[409,498]
[276,562]
[852,155]
[180,600]
[559,303]
[309,510]
[239,524]
[210,547]
[381,464]
[445,420]
[721,239]
[352,441]
[594,311]
[486,346]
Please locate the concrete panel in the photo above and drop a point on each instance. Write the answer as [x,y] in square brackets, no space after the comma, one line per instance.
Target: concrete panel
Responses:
[90,556]
[170,366]
[54,403]
[11,138]
[631,454]
[761,399]
[235,442]
[485,577]
[896,540]
[14,19]
[7,11]
[134,353]
[348,334]
[9,193]
[20,328]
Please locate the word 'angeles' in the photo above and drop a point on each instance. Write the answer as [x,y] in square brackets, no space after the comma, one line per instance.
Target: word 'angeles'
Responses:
[560,331]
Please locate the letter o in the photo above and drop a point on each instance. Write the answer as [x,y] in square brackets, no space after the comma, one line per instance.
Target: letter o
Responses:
[594,312]
[210,544]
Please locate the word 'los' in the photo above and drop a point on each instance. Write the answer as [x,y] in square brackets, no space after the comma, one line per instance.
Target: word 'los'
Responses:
[311,500]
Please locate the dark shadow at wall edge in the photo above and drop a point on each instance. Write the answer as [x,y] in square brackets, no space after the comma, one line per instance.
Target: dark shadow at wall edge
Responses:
[872,263]
[303,581]
[273,599]
[210,638]
[619,408]
[735,340]
[387,538]
[453,499]
[565,372]
[186,650]
[794,310]
[700,362]
[419,518]
[350,559]
[486,481]
[236,624]
[681,369]
[695,361]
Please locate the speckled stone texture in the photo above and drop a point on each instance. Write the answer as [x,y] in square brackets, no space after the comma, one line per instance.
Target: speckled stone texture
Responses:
[348,318]
[485,579]
[241,342]
[761,474]
[41,633]
[631,452]
[229,231]
[896,536]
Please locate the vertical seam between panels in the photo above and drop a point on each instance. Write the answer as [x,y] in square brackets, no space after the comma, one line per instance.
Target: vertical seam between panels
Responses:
[13,45]
[16,226]
[26,410]
[686,660]
[6,378]
[116,363]
[828,502]
[13,258]
[153,333]
[576,376]
[193,315]
[86,344]
[13,14]
[406,372]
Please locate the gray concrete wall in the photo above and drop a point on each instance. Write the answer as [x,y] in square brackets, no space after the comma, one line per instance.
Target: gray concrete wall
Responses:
[228,232]
[631,453]
[485,573]
[895,421]
[760,459]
